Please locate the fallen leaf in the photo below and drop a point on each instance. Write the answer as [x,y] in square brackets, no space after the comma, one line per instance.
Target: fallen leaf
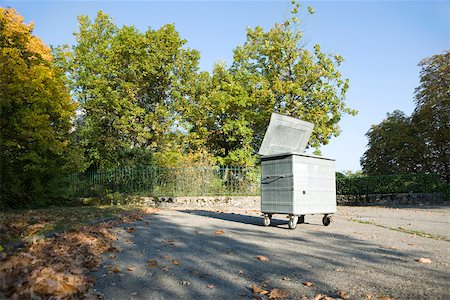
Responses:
[308,283]
[219,232]
[278,294]
[131,268]
[424,260]
[115,269]
[176,262]
[152,263]
[262,258]
[131,229]
[112,256]
[211,286]
[343,294]
[257,290]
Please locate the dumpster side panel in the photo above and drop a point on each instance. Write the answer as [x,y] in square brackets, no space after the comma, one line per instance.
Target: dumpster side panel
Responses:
[277,185]
[314,185]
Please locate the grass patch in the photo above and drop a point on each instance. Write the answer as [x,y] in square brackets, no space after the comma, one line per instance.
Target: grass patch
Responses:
[23,225]
[401,229]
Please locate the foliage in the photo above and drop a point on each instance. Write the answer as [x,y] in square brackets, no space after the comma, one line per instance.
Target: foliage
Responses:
[432,113]
[281,75]
[420,143]
[127,84]
[227,112]
[390,184]
[35,116]
[393,147]
[218,118]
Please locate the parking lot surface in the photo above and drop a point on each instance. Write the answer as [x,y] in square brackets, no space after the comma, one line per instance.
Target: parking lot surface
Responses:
[365,253]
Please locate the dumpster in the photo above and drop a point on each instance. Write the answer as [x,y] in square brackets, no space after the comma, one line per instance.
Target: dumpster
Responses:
[293,182]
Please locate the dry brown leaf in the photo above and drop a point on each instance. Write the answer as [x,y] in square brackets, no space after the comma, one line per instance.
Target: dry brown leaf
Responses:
[115,269]
[308,283]
[131,268]
[278,294]
[343,294]
[131,229]
[257,290]
[219,232]
[152,263]
[424,260]
[176,262]
[262,258]
[165,268]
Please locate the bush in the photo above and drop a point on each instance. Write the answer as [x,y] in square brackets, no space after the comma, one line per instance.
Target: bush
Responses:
[390,184]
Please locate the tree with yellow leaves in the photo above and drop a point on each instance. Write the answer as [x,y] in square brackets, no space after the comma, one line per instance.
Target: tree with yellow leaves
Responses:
[35,114]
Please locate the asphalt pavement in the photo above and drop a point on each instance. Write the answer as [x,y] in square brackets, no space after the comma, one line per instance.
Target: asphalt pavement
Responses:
[365,253]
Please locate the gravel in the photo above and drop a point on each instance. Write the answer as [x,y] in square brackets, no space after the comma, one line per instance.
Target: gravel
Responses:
[195,260]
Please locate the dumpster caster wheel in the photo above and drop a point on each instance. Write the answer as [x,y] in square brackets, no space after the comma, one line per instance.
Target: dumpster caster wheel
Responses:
[301,219]
[266,220]
[326,220]
[293,222]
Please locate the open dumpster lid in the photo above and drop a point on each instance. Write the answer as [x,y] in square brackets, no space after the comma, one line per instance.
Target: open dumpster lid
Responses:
[285,135]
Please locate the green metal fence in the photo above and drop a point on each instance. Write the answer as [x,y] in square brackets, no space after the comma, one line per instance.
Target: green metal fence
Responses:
[229,180]
[157,181]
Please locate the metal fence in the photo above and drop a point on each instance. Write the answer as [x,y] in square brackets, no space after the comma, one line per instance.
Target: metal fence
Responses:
[230,180]
[157,181]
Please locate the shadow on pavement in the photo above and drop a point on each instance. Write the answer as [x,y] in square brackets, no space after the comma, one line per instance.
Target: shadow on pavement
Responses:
[194,262]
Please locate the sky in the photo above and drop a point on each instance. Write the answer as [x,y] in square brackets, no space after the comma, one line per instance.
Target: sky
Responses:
[382,43]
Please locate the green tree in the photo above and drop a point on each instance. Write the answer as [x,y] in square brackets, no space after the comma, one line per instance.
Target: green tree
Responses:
[420,143]
[35,115]
[128,84]
[393,147]
[281,75]
[432,113]
[218,117]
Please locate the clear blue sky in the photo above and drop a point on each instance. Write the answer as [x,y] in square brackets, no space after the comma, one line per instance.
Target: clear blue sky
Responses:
[381,41]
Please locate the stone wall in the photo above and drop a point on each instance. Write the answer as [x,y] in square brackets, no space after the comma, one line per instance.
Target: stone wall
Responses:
[235,203]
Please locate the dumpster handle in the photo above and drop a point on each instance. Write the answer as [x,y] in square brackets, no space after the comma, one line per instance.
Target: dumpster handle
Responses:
[271,179]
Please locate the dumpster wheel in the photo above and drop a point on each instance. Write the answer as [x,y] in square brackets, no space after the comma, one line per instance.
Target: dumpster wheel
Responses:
[326,220]
[293,222]
[267,219]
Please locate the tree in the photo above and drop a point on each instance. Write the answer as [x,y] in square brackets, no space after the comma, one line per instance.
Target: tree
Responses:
[432,113]
[128,84]
[217,117]
[35,114]
[393,147]
[281,75]
[420,143]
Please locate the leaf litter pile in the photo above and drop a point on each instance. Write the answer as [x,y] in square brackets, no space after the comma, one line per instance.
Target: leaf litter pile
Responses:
[57,267]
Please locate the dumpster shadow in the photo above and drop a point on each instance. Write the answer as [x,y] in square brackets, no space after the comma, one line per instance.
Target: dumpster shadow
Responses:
[239,218]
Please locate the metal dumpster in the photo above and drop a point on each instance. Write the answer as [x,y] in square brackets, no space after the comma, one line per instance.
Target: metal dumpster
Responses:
[292,182]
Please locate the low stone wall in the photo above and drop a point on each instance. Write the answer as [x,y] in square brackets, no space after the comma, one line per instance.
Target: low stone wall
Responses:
[252,203]
[206,202]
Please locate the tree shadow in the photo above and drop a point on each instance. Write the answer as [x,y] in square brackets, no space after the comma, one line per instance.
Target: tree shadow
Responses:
[215,265]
